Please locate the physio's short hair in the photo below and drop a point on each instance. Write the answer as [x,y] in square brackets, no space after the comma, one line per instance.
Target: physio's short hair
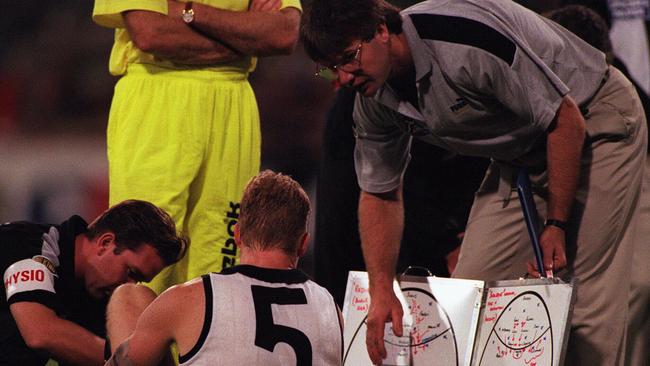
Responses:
[135,223]
[273,213]
[329,26]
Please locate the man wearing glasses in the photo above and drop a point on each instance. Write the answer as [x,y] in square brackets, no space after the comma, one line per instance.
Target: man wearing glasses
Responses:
[493,79]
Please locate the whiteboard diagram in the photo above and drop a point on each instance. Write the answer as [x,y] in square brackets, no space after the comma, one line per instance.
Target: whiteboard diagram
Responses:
[524,323]
[427,332]
[439,323]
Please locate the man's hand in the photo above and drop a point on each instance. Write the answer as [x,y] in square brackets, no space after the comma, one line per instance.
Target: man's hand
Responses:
[384,307]
[175,8]
[265,5]
[553,246]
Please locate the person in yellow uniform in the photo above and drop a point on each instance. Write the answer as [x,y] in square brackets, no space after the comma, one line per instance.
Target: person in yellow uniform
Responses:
[183,129]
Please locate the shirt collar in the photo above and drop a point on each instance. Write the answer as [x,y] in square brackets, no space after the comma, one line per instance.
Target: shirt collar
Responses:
[422,63]
[68,231]
[421,58]
[288,276]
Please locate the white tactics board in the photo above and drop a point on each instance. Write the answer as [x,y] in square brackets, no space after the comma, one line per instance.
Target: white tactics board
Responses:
[439,324]
[524,323]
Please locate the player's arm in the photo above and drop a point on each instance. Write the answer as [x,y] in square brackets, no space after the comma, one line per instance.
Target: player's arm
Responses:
[44,331]
[153,334]
[165,320]
[169,38]
[256,32]
[564,149]
[381,222]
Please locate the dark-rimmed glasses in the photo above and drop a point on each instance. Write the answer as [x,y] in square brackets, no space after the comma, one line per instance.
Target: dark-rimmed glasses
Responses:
[349,63]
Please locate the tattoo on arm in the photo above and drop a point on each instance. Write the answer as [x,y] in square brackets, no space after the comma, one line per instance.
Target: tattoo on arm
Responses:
[121,356]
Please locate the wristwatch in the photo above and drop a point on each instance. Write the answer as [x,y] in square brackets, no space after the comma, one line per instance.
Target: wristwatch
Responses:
[188,13]
[557,223]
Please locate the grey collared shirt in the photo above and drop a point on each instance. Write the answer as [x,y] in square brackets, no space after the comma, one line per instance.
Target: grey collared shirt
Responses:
[490,77]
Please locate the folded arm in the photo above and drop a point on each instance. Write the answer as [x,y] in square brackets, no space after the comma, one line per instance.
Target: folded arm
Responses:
[169,38]
[256,32]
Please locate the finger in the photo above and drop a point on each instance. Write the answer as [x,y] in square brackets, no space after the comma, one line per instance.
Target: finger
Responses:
[547,258]
[560,260]
[258,4]
[532,269]
[379,344]
[549,274]
[396,315]
[374,339]
[370,343]
[266,5]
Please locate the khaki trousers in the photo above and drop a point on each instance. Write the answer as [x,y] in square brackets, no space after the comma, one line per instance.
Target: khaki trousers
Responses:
[638,322]
[602,225]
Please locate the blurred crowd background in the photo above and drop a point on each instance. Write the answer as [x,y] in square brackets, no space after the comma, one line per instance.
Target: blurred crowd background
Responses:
[55,92]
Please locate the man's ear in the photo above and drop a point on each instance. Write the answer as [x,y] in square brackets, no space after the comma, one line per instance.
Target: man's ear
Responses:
[304,244]
[237,235]
[382,32]
[104,242]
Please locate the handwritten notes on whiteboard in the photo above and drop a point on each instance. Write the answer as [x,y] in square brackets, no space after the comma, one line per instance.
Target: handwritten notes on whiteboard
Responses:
[524,323]
[439,323]
[427,332]
[452,322]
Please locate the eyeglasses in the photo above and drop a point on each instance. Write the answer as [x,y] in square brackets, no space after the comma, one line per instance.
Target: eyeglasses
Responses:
[349,63]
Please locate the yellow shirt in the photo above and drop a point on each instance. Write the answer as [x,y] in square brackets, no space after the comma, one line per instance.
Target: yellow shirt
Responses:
[108,13]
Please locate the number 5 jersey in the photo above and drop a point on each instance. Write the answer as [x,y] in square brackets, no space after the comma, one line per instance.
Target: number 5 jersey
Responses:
[262,316]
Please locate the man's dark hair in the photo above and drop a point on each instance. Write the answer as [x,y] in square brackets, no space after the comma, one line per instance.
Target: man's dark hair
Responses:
[136,223]
[330,26]
[273,213]
[601,7]
[585,23]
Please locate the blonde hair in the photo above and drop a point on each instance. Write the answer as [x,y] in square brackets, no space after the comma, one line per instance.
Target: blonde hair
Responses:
[273,212]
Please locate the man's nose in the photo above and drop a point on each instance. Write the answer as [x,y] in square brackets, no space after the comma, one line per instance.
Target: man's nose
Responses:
[345,78]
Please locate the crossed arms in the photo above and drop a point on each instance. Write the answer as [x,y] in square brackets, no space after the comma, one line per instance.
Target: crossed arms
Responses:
[216,35]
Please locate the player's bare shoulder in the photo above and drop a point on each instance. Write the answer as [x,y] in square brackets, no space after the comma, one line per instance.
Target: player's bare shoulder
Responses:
[186,305]
[183,297]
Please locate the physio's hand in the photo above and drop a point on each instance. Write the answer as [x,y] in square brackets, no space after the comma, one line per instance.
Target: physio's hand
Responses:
[384,307]
[553,245]
[265,5]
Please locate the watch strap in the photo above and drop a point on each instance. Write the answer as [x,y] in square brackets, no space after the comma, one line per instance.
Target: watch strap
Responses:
[557,223]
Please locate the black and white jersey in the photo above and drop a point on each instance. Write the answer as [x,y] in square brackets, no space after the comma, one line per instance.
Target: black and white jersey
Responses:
[37,265]
[261,316]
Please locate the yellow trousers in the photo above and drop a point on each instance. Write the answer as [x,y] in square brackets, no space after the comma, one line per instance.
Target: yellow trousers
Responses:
[187,141]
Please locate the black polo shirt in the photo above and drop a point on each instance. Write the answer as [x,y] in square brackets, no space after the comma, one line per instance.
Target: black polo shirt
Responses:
[37,265]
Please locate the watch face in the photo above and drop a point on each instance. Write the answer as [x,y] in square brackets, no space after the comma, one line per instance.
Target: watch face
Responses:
[188,16]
